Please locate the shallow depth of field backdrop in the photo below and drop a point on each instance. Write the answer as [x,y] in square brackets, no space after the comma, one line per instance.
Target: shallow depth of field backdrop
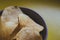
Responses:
[50,11]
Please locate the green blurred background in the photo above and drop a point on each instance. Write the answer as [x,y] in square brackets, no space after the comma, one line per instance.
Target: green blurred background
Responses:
[49,10]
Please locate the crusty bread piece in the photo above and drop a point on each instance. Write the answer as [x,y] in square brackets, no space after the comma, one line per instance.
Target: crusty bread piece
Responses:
[9,20]
[28,33]
[25,20]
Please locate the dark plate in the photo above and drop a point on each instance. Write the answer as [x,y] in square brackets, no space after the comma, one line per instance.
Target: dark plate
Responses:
[37,18]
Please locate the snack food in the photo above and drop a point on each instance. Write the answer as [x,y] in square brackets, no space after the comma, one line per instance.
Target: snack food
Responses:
[9,20]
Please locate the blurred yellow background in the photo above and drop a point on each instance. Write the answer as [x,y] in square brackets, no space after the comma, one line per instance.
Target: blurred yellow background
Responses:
[50,11]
